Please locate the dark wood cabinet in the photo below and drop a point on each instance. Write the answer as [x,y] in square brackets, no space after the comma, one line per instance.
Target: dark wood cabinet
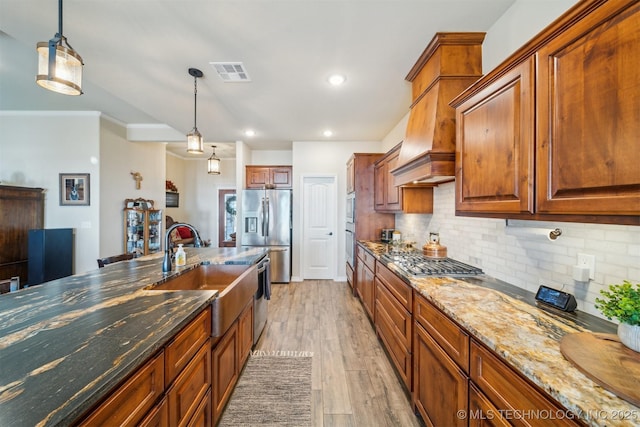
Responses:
[269,176]
[509,391]
[367,223]
[552,133]
[172,388]
[21,210]
[441,362]
[495,150]
[441,387]
[389,198]
[225,370]
[365,285]
[245,333]
[393,320]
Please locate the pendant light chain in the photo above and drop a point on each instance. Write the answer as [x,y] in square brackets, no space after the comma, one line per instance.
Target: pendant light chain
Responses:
[195,100]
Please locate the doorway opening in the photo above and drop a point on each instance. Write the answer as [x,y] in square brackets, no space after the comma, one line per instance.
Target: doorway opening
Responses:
[227,218]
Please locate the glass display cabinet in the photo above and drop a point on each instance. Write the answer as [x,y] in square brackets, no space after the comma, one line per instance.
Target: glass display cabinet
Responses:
[142,227]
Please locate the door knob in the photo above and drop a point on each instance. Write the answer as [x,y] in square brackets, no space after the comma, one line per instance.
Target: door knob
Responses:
[330,233]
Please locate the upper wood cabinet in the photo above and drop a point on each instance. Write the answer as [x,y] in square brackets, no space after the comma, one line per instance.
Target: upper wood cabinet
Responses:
[390,198]
[269,176]
[552,133]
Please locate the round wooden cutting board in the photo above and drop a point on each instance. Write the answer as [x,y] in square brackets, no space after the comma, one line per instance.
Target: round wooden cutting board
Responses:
[604,359]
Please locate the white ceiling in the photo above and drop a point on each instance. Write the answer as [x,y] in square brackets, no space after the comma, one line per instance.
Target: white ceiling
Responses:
[137,53]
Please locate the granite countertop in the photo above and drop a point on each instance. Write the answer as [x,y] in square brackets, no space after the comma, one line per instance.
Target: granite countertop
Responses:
[66,343]
[505,319]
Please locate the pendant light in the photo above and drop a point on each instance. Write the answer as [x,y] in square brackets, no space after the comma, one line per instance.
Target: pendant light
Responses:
[59,66]
[195,143]
[213,164]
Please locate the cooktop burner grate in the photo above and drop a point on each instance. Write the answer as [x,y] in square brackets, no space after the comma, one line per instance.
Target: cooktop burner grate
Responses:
[418,265]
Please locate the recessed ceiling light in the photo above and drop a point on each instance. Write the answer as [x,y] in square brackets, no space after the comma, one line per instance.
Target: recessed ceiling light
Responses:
[337,79]
[327,133]
[249,132]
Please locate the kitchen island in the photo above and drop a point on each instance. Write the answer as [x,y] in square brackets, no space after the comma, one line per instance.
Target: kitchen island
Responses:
[505,319]
[65,344]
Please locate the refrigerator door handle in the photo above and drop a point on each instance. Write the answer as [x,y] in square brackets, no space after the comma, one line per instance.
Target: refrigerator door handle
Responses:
[266,214]
[263,217]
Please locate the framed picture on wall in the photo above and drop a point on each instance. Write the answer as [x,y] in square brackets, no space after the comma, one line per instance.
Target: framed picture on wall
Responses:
[74,189]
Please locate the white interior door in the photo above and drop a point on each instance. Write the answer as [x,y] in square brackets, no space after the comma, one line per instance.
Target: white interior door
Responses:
[319,247]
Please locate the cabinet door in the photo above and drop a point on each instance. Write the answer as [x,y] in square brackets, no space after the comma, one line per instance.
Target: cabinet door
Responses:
[509,392]
[482,413]
[245,334]
[495,143]
[439,387]
[379,186]
[393,193]
[589,115]
[225,369]
[129,404]
[394,343]
[257,176]
[280,177]
[368,291]
[351,172]
[191,388]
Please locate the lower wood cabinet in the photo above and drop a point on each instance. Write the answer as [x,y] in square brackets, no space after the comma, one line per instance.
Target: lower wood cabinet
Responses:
[482,413]
[511,393]
[365,285]
[191,388]
[441,387]
[225,369]
[168,390]
[228,356]
[393,320]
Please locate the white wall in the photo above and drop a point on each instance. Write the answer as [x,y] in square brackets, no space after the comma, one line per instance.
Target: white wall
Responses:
[199,192]
[329,158]
[528,261]
[118,158]
[35,147]
[271,157]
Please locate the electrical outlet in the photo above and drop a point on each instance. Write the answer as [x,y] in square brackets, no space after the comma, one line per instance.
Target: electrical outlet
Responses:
[589,261]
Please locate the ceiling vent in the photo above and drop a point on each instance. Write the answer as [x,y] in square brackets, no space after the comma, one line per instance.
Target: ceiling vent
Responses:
[231,72]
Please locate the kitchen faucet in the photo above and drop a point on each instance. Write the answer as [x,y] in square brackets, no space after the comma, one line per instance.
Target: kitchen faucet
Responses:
[168,251]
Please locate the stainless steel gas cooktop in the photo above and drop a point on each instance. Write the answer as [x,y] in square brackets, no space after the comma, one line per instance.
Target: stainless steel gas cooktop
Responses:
[417,265]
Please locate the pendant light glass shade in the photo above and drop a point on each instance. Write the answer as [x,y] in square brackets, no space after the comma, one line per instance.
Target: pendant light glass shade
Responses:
[213,164]
[195,142]
[59,66]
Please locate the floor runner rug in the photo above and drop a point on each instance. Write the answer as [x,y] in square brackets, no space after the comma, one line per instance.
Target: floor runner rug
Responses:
[272,391]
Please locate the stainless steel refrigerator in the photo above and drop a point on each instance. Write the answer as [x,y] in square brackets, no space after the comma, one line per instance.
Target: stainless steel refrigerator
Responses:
[266,222]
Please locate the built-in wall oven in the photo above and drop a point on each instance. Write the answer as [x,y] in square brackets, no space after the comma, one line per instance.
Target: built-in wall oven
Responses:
[350,242]
[261,297]
[351,207]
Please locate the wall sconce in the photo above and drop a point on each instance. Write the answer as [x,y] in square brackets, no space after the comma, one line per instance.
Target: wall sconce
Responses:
[195,143]
[59,66]
[213,164]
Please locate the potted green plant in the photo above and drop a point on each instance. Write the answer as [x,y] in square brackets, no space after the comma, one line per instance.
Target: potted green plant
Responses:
[622,302]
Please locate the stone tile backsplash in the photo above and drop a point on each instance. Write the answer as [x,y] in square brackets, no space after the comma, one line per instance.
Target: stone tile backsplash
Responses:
[518,254]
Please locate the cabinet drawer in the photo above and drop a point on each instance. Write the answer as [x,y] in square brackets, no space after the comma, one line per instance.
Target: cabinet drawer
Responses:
[395,285]
[400,318]
[349,275]
[366,257]
[191,386]
[400,356]
[158,417]
[508,391]
[131,402]
[451,337]
[485,414]
[180,351]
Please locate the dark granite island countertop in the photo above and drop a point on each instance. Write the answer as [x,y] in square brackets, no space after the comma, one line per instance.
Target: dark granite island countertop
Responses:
[66,343]
[506,319]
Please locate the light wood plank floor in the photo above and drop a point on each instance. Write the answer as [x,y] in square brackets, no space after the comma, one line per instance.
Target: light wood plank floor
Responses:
[353,382]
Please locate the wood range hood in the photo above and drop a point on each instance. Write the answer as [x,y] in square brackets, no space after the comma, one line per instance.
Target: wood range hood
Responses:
[450,63]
